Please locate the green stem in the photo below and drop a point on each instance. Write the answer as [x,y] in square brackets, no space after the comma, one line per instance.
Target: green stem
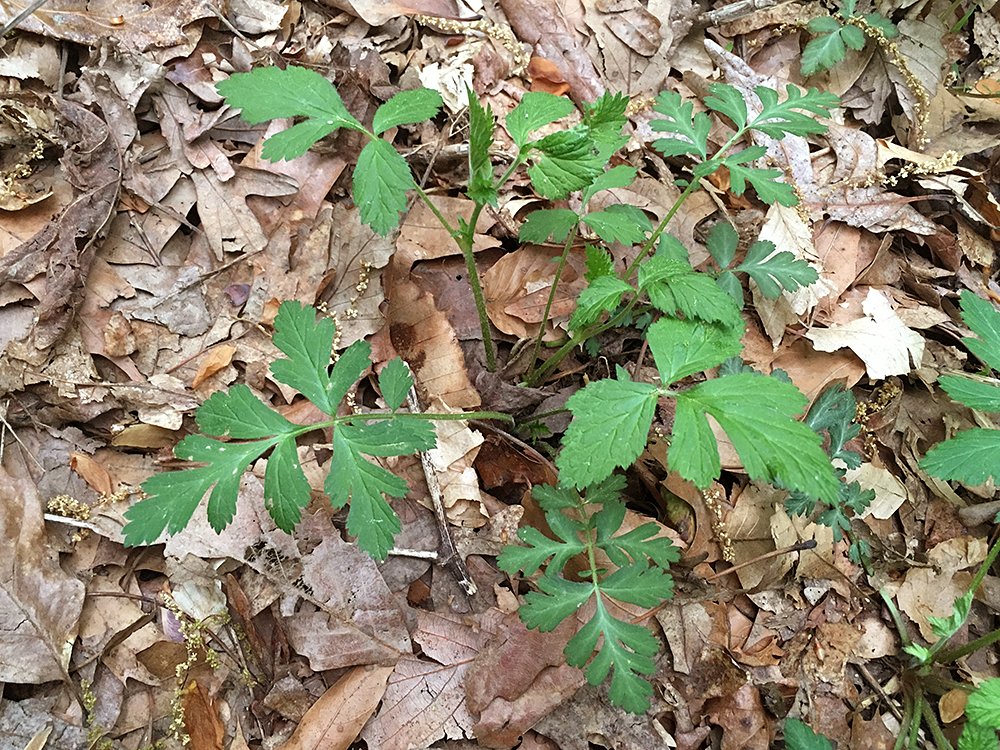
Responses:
[952,654]
[918,710]
[896,617]
[650,243]
[939,739]
[465,240]
[570,238]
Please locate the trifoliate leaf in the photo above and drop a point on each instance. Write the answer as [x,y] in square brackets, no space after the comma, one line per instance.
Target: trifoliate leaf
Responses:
[972,456]
[625,224]
[779,118]
[674,285]
[381,179]
[775,272]
[566,161]
[417,105]
[722,242]
[983,706]
[240,415]
[602,294]
[684,347]
[822,53]
[354,478]
[984,320]
[173,496]
[729,101]
[764,181]
[268,93]
[613,414]
[975,394]
[620,176]
[554,223]
[482,124]
[537,109]
[758,416]
[798,736]
[689,134]
[599,263]
[395,382]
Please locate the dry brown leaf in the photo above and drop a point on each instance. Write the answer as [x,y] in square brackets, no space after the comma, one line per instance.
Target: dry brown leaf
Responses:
[201,718]
[40,605]
[336,719]
[218,358]
[92,472]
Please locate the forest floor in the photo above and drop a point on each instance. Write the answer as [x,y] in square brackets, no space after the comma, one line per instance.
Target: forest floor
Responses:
[146,246]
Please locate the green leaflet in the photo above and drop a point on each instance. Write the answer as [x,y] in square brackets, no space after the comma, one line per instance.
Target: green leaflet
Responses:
[173,497]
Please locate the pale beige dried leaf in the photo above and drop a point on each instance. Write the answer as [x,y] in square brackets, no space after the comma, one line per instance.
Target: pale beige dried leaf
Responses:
[335,720]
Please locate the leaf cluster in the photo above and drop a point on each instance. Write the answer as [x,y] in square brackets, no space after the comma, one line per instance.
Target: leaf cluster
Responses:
[834,34]
[833,413]
[972,456]
[245,429]
[582,525]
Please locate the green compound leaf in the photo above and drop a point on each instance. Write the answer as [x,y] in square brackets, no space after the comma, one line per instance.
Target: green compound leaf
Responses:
[482,124]
[775,272]
[722,242]
[779,118]
[823,52]
[603,293]
[625,224]
[729,101]
[613,414]
[407,107]
[566,161]
[984,320]
[540,548]
[975,394]
[684,347]
[395,382]
[825,25]
[799,736]
[554,223]
[673,285]
[361,482]
[240,415]
[628,648]
[268,93]
[536,110]
[689,133]
[983,707]
[381,179]
[834,410]
[604,120]
[172,497]
[557,600]
[616,177]
[972,456]
[764,181]
[758,416]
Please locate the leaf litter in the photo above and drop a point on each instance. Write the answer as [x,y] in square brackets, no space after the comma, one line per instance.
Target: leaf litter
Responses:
[146,255]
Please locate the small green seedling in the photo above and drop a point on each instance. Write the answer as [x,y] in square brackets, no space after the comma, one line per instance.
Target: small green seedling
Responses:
[834,34]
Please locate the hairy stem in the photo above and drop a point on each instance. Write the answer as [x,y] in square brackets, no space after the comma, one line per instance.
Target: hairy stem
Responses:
[570,238]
